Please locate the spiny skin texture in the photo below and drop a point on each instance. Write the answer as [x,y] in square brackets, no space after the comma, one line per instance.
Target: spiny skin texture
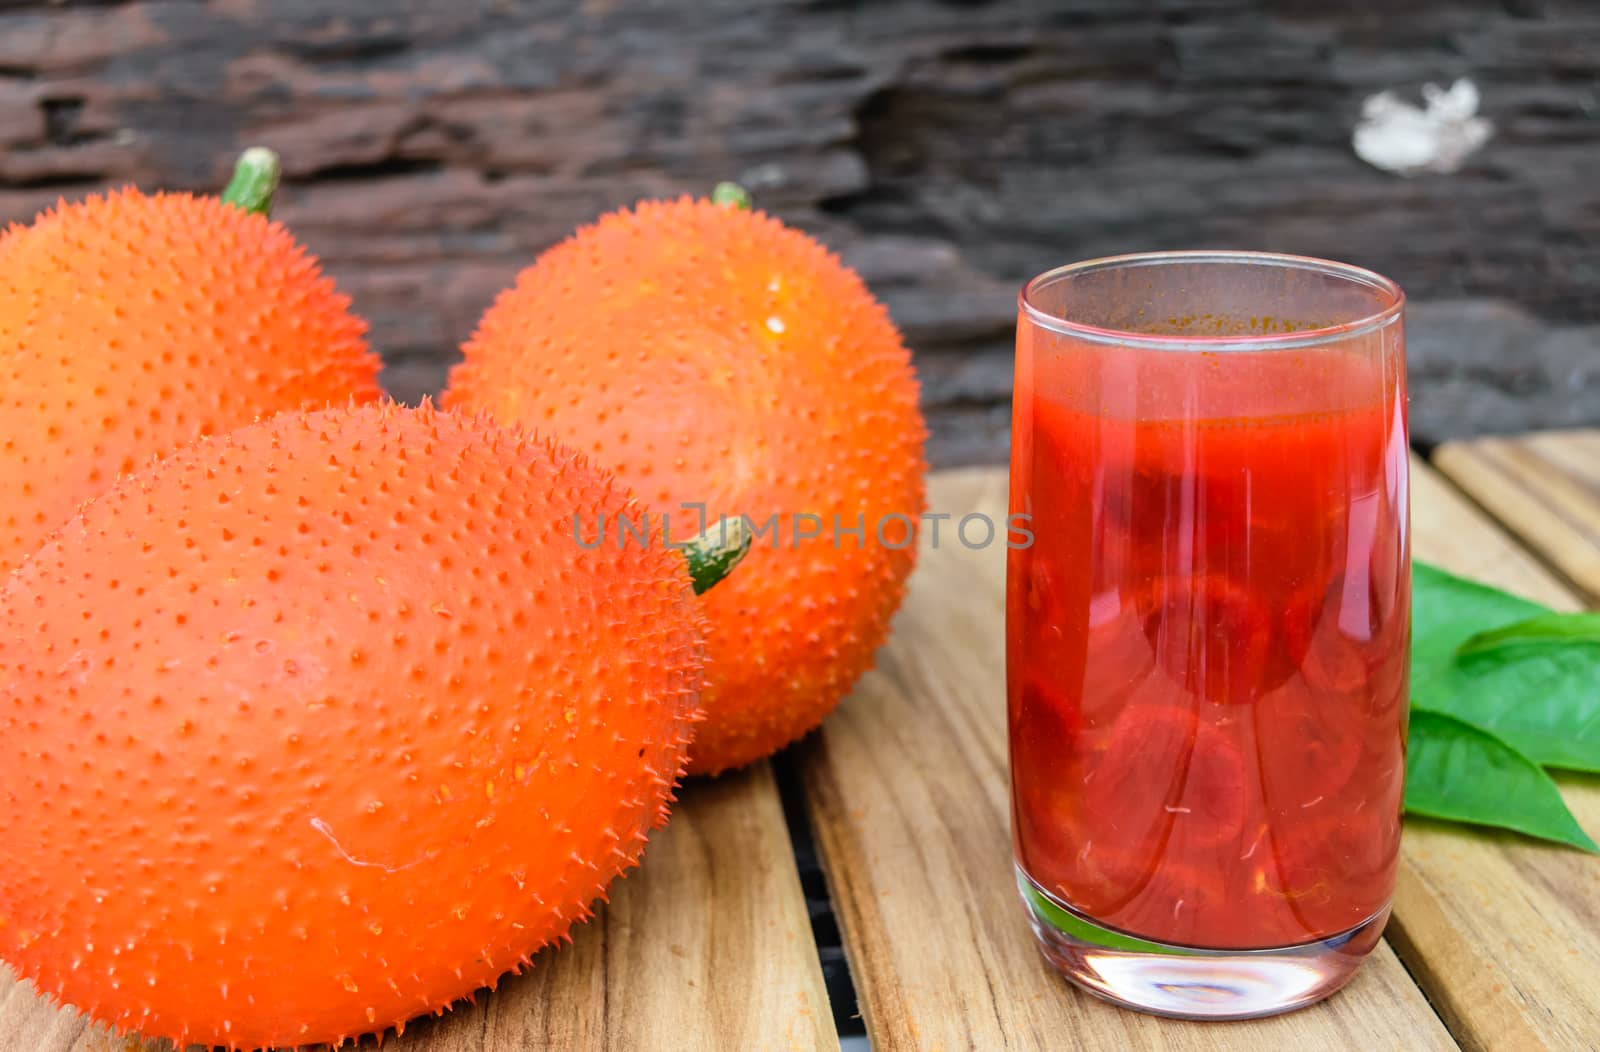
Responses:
[712,354]
[131,324]
[321,725]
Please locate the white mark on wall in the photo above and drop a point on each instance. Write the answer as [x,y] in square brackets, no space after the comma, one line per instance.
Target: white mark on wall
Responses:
[1399,137]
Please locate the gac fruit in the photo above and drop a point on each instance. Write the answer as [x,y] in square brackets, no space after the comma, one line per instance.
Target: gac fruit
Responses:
[709,354]
[132,323]
[321,725]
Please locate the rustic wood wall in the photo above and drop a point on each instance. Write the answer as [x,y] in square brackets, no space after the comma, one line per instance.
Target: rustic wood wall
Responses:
[947,149]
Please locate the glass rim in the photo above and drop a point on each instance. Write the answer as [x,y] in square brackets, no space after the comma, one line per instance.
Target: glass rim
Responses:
[1276,341]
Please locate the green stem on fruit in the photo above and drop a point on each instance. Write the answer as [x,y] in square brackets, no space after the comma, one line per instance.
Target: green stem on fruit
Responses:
[715,552]
[255,180]
[731,195]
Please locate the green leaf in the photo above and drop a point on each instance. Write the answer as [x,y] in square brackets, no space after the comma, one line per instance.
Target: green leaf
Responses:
[1546,628]
[1463,773]
[1445,609]
[1539,693]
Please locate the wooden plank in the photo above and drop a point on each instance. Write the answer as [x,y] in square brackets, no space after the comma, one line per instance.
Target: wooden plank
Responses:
[906,785]
[1546,488]
[1503,932]
[707,946]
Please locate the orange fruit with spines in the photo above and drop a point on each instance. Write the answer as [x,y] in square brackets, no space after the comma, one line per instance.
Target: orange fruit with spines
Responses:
[324,724]
[712,355]
[132,323]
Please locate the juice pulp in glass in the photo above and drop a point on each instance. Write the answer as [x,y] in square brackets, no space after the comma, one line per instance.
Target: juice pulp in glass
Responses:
[1207,681]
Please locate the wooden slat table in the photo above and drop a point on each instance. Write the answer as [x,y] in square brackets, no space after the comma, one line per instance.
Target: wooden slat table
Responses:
[1546,489]
[1495,942]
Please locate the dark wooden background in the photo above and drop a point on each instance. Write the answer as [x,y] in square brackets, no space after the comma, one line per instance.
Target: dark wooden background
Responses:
[946,149]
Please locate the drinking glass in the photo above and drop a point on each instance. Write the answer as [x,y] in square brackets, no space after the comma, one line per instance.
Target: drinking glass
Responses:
[1207,640]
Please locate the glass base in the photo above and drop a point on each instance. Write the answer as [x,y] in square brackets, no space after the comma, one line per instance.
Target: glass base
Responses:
[1190,983]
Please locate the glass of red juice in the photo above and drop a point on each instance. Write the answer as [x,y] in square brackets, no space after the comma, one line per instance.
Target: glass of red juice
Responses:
[1207,638]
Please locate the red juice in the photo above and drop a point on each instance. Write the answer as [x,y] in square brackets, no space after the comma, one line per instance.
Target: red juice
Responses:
[1208,643]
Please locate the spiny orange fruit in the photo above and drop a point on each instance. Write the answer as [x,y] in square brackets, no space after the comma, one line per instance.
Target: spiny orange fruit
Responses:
[132,323]
[710,354]
[320,725]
